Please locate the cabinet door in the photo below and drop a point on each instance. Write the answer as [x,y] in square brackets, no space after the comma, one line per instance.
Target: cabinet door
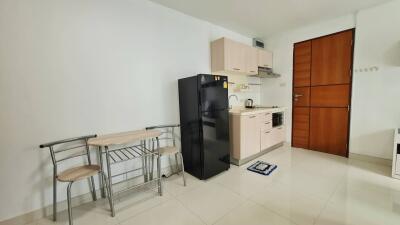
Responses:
[251,60]
[266,139]
[331,59]
[264,58]
[250,131]
[235,56]
[277,135]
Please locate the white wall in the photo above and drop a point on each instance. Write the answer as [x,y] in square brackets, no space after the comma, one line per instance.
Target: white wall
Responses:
[278,91]
[70,68]
[375,108]
[376,105]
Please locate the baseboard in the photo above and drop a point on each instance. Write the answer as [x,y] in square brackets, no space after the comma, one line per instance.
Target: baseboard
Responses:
[62,205]
[371,159]
[240,162]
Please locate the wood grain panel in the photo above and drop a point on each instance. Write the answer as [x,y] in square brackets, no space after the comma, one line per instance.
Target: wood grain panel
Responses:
[303,98]
[301,120]
[330,96]
[302,64]
[302,48]
[329,130]
[332,59]
[302,67]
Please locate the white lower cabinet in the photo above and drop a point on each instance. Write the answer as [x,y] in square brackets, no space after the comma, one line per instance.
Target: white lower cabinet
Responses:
[251,134]
[277,135]
[266,139]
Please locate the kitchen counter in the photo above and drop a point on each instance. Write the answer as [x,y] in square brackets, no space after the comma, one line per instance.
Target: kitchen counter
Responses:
[244,111]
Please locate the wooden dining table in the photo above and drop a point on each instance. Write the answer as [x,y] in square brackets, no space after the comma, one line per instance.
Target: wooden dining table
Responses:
[121,147]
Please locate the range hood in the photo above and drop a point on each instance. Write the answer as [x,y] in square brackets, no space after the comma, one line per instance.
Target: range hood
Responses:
[265,72]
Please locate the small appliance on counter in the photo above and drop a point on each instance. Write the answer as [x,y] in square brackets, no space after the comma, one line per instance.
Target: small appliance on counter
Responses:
[249,104]
[204,119]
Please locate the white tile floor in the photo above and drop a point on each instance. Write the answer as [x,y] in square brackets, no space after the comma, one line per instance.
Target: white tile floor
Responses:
[307,188]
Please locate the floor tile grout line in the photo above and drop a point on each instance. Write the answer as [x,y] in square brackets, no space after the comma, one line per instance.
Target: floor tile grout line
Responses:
[338,185]
[229,211]
[144,210]
[273,212]
[193,213]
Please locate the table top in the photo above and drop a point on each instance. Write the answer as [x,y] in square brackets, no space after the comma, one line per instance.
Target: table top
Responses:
[124,137]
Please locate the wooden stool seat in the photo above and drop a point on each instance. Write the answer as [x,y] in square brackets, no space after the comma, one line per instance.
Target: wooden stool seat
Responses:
[78,173]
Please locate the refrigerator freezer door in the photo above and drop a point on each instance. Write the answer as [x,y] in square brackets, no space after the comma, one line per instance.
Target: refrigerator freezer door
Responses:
[213,92]
[215,129]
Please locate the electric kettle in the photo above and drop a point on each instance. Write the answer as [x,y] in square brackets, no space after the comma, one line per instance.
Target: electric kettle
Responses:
[249,103]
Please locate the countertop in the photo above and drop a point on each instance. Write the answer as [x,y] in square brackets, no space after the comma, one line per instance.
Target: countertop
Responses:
[244,111]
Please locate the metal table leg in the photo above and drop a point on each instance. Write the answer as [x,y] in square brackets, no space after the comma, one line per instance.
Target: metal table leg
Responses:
[55,193]
[103,194]
[159,167]
[110,182]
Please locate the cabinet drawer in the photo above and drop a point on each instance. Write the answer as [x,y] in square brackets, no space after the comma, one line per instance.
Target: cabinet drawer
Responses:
[266,117]
[266,126]
[266,139]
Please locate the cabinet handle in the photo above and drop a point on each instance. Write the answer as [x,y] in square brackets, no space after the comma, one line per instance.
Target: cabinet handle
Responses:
[235,68]
[266,65]
[252,71]
[252,117]
[267,132]
[280,128]
[267,114]
[268,123]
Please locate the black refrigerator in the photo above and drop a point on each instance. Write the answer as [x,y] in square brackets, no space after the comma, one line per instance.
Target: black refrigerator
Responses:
[204,119]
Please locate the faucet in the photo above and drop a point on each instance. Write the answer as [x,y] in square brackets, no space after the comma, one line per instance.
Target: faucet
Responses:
[229,98]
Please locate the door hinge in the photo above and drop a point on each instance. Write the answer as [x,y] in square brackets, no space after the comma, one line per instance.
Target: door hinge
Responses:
[348,108]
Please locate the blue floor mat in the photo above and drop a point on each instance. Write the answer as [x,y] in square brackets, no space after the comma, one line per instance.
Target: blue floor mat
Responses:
[262,168]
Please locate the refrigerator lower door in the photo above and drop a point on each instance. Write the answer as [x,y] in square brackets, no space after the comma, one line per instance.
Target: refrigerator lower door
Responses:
[215,132]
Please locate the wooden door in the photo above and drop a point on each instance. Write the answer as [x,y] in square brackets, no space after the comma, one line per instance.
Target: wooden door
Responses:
[332,59]
[301,94]
[322,72]
[329,130]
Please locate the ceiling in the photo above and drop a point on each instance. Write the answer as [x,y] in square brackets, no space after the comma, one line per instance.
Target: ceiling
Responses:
[262,18]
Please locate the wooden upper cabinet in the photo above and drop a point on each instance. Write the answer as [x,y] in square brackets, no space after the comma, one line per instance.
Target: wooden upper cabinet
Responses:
[231,57]
[251,60]
[302,64]
[235,56]
[332,59]
[264,58]
[228,55]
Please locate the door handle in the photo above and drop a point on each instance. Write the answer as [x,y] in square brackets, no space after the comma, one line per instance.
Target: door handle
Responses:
[298,95]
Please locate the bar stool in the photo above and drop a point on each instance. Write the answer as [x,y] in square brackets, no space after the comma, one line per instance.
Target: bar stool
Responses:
[66,149]
[168,138]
